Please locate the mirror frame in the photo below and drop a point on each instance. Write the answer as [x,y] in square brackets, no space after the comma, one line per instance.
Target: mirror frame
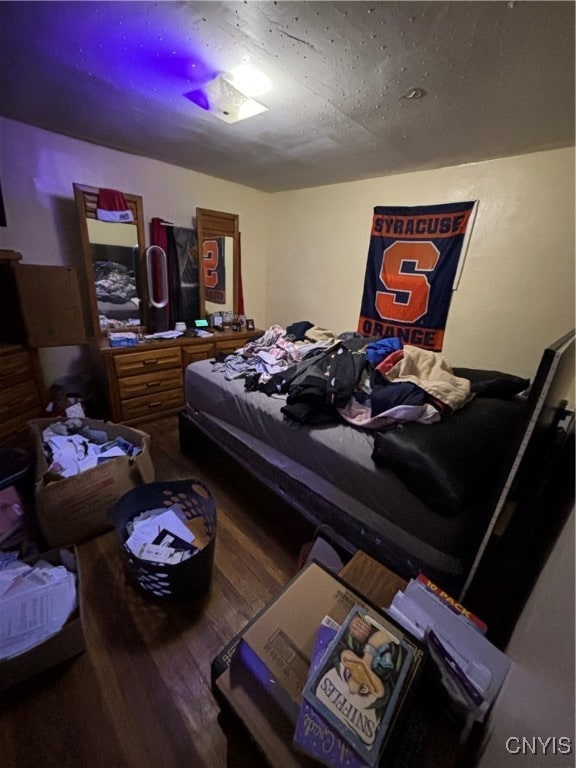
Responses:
[209,224]
[86,198]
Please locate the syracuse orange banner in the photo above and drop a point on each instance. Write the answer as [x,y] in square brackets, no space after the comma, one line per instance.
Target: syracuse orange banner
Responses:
[412,269]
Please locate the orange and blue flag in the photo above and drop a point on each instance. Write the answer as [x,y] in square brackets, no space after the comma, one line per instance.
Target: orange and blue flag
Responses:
[412,266]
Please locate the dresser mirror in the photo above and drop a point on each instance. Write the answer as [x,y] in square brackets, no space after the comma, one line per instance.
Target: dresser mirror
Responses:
[113,252]
[219,244]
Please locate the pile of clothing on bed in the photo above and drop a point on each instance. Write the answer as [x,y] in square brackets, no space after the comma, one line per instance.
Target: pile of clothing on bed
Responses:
[114,282]
[373,383]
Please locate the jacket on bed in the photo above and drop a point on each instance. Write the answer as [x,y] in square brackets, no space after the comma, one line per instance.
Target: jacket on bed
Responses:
[324,383]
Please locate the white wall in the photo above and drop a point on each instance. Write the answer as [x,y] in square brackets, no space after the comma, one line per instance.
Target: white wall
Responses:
[537,699]
[37,170]
[304,252]
[516,293]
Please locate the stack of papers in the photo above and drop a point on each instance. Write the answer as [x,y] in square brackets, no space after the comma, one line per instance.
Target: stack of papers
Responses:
[35,603]
[164,335]
[69,453]
[472,668]
[161,536]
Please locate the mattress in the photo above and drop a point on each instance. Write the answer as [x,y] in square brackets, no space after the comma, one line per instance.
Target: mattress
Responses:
[334,461]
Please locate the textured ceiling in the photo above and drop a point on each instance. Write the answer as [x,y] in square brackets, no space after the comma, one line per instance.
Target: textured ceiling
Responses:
[497,77]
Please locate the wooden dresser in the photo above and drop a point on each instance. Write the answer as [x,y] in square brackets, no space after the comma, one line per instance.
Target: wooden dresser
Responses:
[19,392]
[148,380]
[41,307]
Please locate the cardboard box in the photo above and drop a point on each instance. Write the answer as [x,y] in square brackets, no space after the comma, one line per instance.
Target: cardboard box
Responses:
[283,635]
[69,642]
[75,509]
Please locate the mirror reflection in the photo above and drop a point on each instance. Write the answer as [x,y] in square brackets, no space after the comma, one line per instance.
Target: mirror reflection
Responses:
[219,236]
[114,252]
[218,264]
[112,236]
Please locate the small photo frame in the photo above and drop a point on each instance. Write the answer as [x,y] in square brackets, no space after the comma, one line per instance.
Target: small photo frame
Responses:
[249,324]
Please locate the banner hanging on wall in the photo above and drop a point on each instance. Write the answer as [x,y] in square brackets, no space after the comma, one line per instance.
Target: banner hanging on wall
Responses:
[414,262]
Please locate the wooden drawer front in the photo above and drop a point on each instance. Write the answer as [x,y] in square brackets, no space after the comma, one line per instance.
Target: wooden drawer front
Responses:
[197,352]
[149,383]
[19,399]
[142,362]
[15,368]
[138,407]
[17,426]
[229,346]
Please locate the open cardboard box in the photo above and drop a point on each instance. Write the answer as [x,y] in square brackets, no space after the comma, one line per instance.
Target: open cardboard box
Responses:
[75,509]
[66,644]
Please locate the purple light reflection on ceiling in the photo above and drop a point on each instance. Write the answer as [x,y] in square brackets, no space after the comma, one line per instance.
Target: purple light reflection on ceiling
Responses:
[120,44]
[199,98]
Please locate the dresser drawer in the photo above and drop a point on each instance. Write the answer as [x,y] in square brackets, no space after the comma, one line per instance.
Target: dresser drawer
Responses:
[149,383]
[134,363]
[19,399]
[16,428]
[197,352]
[139,407]
[15,368]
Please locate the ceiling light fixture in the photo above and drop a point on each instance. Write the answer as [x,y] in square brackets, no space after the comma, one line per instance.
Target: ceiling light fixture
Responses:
[250,80]
[225,101]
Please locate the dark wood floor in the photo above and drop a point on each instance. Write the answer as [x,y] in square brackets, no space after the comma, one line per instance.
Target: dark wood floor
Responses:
[139,696]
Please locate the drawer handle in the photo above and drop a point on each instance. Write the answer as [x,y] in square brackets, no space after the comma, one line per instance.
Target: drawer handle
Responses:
[155,405]
[152,383]
[151,362]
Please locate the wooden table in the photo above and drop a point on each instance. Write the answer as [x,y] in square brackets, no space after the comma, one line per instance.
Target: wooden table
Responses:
[371,578]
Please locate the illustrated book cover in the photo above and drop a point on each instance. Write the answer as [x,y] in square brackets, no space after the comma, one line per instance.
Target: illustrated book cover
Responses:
[361,681]
[313,735]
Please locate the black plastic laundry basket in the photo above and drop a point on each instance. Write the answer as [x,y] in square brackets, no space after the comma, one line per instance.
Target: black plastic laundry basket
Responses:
[184,580]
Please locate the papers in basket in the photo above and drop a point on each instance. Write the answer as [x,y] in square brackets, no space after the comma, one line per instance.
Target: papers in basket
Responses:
[161,536]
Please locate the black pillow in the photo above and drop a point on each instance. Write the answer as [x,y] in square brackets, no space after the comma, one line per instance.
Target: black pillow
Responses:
[492,383]
[458,461]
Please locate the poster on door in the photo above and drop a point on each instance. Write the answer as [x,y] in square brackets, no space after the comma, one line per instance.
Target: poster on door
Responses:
[414,261]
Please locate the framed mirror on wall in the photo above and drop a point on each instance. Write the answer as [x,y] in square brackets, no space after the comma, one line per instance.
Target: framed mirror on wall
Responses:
[113,242]
[219,246]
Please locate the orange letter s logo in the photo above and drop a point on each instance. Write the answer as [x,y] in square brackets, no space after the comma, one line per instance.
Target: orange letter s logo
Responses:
[424,255]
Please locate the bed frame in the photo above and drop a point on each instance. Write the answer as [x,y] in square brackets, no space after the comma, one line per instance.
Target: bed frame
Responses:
[544,408]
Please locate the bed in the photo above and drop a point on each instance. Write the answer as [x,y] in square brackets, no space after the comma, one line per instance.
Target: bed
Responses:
[417,497]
